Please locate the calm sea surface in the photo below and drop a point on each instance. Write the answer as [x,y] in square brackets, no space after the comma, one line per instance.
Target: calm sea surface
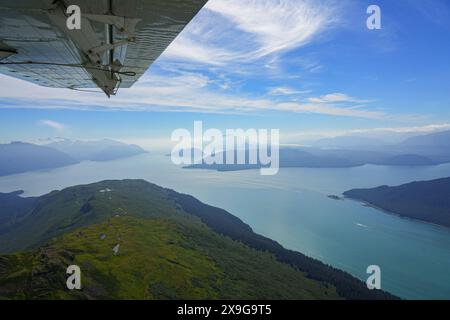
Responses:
[293,209]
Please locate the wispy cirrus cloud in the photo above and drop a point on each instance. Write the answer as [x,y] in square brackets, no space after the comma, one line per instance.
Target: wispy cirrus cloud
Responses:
[237,31]
[335,110]
[189,92]
[286,91]
[393,134]
[52,124]
[198,71]
[335,98]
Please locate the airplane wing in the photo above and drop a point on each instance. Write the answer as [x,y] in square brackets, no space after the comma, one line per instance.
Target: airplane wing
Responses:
[117,42]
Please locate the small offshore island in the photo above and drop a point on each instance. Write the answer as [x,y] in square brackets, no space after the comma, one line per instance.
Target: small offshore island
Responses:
[335,197]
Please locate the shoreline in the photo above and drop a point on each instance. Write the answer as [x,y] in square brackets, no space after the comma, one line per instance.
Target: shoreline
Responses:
[386,211]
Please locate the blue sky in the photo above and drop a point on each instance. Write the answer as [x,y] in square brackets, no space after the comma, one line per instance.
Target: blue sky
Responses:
[310,68]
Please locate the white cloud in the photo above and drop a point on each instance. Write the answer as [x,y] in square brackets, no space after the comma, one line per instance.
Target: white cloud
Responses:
[188,92]
[416,129]
[188,49]
[333,110]
[335,97]
[286,91]
[182,93]
[226,31]
[276,25]
[387,133]
[53,124]
[236,31]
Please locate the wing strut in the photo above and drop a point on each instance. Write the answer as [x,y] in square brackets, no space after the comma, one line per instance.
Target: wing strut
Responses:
[104,71]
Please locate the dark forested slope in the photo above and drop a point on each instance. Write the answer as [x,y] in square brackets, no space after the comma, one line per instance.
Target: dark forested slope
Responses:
[424,200]
[171,246]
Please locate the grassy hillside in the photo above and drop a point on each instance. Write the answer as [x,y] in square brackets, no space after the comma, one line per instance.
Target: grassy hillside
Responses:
[157,259]
[61,211]
[12,209]
[171,246]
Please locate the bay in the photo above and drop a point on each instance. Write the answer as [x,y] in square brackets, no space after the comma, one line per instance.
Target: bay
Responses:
[293,208]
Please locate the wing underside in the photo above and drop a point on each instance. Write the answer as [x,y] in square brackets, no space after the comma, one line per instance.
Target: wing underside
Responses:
[117,42]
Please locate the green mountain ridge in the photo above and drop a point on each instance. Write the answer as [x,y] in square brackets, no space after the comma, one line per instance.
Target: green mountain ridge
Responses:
[180,263]
[170,246]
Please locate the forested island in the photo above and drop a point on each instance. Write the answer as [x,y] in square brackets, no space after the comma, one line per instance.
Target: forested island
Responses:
[423,200]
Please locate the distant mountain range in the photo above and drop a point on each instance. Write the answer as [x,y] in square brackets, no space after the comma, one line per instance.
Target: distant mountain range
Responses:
[423,150]
[435,146]
[99,150]
[424,200]
[348,142]
[135,240]
[18,157]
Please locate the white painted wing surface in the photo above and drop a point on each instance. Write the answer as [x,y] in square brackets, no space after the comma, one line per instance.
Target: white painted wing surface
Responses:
[117,42]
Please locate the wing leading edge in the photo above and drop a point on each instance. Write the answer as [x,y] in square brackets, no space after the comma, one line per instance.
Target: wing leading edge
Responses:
[117,42]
